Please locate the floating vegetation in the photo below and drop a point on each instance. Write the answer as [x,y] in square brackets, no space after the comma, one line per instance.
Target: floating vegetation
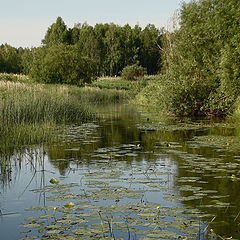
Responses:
[54,181]
[152,182]
[231,143]
[100,208]
[165,126]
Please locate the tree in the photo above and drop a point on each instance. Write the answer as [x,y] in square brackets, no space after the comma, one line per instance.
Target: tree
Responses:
[87,44]
[57,33]
[202,58]
[9,59]
[114,56]
[100,31]
[133,72]
[150,55]
[62,64]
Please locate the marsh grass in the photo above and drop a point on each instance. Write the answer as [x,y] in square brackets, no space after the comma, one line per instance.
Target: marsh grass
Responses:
[15,77]
[113,83]
[30,112]
[35,103]
[97,96]
[117,83]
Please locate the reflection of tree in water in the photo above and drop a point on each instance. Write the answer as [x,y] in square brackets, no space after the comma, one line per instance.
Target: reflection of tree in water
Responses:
[114,132]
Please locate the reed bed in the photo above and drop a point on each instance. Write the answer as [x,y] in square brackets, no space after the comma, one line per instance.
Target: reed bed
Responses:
[36,103]
[97,96]
[15,77]
[29,112]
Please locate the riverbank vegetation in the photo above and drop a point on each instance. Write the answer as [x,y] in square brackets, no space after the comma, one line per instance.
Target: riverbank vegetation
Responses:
[84,52]
[196,63]
[200,74]
[31,112]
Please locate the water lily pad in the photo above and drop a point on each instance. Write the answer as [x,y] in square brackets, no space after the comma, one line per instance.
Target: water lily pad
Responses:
[32,225]
[69,205]
[54,181]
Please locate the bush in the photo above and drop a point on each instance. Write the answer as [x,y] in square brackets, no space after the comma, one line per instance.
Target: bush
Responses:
[62,64]
[201,60]
[133,72]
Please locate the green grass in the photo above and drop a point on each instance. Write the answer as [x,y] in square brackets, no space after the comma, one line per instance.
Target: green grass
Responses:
[35,103]
[30,112]
[117,83]
[113,83]
[15,77]
[96,96]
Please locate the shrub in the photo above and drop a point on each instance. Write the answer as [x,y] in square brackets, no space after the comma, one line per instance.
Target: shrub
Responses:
[133,72]
[62,64]
[201,59]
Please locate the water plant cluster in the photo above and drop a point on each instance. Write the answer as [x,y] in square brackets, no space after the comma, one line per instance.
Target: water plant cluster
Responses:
[112,203]
[127,191]
[30,112]
[156,181]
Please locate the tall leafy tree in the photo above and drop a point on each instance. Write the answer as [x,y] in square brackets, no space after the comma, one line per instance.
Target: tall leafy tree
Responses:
[100,31]
[9,59]
[87,43]
[202,58]
[57,33]
[130,46]
[150,55]
[114,44]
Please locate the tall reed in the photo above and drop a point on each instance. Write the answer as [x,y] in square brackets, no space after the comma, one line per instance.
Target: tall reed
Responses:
[29,111]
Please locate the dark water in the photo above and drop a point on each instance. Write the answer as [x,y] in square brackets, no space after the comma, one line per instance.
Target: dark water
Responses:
[129,177]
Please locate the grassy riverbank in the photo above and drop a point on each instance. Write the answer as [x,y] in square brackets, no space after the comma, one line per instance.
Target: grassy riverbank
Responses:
[30,112]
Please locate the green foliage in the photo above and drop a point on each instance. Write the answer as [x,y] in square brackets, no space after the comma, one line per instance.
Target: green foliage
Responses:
[154,95]
[149,51]
[133,72]
[27,58]
[62,64]
[9,59]
[30,112]
[235,116]
[201,60]
[57,33]
[102,50]
[14,77]
[113,47]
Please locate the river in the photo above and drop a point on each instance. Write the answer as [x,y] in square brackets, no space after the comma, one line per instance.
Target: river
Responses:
[129,175]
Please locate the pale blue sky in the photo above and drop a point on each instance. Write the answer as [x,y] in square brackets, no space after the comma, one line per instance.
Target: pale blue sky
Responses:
[25,22]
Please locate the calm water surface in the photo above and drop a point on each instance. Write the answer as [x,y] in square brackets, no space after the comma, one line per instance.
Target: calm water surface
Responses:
[127,179]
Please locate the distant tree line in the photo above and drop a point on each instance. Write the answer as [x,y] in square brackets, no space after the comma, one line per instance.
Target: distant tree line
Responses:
[78,54]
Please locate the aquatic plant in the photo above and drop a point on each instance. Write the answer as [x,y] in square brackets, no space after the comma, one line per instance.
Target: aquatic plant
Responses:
[30,112]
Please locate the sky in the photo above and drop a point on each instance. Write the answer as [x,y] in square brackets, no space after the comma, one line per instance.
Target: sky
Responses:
[23,23]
